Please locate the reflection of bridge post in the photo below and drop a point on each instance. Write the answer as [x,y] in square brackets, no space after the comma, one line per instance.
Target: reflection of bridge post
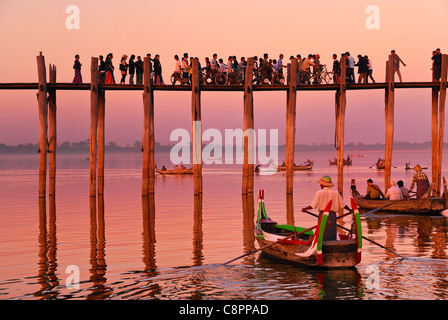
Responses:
[198,256]
[97,251]
[248,223]
[46,276]
[149,234]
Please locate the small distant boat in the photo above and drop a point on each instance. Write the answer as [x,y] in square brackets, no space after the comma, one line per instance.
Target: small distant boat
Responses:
[175,171]
[303,166]
[408,166]
[265,170]
[308,248]
[380,166]
[347,162]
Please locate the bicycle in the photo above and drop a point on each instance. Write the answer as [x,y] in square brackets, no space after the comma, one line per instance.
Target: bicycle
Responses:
[325,75]
[178,77]
[277,78]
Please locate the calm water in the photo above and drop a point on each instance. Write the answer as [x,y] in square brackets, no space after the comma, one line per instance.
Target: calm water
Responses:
[172,245]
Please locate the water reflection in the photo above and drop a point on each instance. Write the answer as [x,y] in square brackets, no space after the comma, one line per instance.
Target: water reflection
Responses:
[248,226]
[98,265]
[47,264]
[149,234]
[149,244]
[198,255]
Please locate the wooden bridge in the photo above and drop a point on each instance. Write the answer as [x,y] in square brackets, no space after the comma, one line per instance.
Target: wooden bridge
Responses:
[46,93]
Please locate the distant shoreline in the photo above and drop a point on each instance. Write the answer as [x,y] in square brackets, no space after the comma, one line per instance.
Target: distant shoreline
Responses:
[83,147]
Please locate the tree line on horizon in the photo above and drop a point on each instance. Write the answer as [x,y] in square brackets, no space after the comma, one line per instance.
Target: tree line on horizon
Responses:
[83,147]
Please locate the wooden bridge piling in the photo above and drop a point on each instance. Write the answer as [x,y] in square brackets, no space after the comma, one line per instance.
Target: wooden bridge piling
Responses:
[196,127]
[94,92]
[148,168]
[52,133]
[248,128]
[43,124]
[441,120]
[101,139]
[291,102]
[340,106]
[389,121]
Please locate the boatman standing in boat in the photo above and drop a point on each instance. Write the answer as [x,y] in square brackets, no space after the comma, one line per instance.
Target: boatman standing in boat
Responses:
[421,180]
[320,201]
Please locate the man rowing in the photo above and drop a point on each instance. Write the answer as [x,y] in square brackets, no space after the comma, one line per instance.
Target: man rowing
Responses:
[320,201]
[421,180]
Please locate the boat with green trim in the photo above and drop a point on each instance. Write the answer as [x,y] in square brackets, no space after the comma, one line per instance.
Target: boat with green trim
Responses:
[303,246]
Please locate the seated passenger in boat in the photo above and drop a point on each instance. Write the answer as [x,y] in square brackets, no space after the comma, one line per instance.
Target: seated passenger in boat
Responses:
[182,166]
[421,180]
[394,192]
[320,201]
[163,167]
[373,191]
[404,190]
[176,167]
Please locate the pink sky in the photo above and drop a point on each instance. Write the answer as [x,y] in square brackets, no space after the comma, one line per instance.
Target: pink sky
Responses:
[201,28]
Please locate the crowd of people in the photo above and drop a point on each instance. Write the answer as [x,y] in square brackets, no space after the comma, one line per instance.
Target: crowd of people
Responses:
[310,67]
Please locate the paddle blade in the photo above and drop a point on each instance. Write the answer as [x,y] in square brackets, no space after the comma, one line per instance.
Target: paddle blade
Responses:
[261,194]
[354,206]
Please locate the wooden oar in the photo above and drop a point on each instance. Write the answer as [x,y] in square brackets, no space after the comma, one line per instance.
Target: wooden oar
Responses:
[268,245]
[365,238]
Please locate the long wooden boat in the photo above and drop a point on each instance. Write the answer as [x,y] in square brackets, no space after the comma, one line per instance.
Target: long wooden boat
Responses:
[308,248]
[346,162]
[299,167]
[425,205]
[175,171]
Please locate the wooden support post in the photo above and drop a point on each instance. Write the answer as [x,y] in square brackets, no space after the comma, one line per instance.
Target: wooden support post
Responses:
[52,133]
[43,124]
[148,170]
[389,122]
[441,124]
[248,127]
[434,139]
[291,126]
[341,102]
[101,139]
[93,123]
[196,127]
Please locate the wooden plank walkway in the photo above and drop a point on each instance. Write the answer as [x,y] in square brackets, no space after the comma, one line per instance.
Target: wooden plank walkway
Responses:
[313,87]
